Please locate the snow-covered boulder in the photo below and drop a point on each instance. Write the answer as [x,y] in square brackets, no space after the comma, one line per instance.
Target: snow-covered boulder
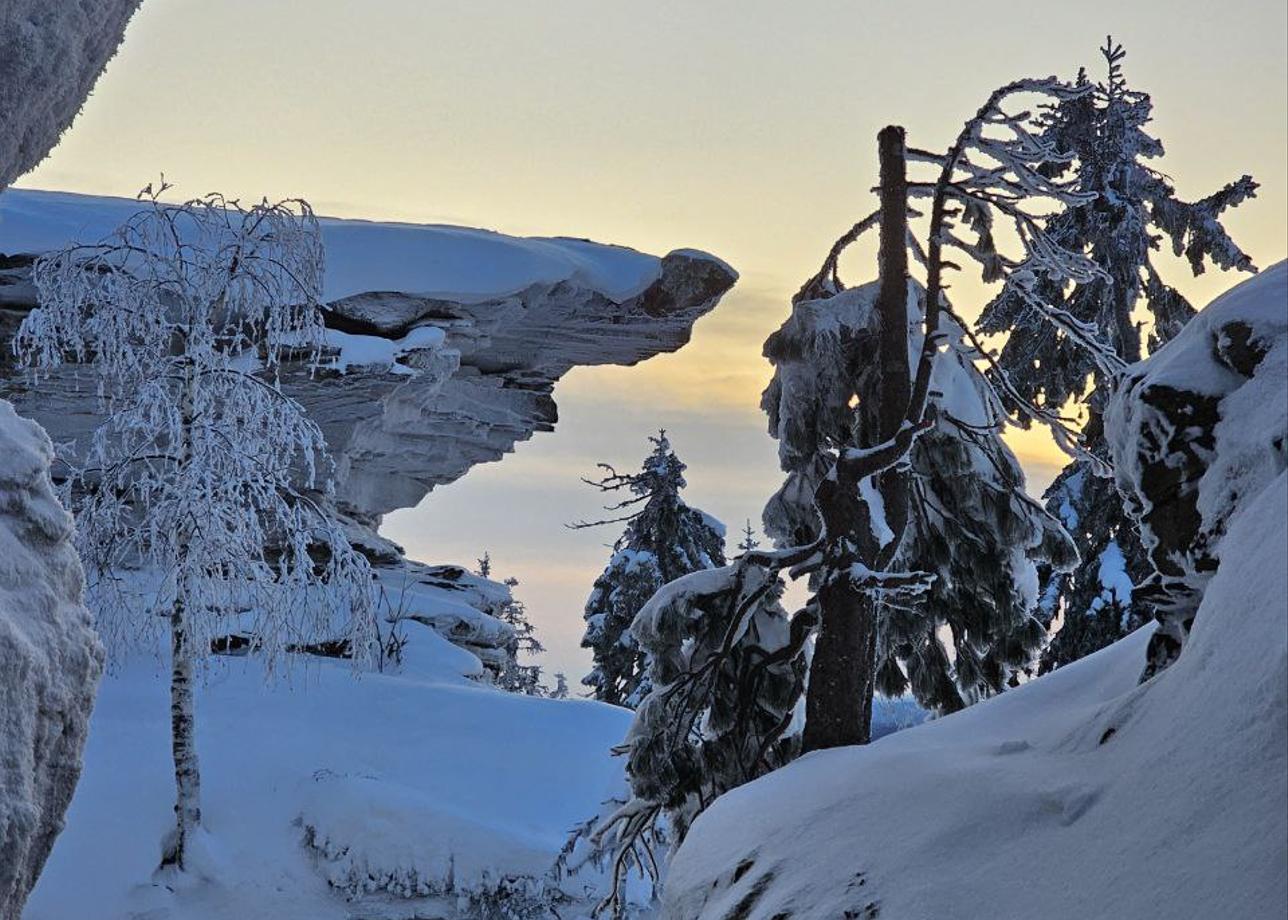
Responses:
[1196,429]
[50,660]
[50,56]
[1084,793]
[445,342]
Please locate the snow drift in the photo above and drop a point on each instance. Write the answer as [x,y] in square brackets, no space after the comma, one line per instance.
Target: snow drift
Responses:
[1081,794]
[51,659]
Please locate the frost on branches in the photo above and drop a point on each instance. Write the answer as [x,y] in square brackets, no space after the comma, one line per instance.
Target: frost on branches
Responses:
[204,476]
[1105,149]
[725,674]
[664,539]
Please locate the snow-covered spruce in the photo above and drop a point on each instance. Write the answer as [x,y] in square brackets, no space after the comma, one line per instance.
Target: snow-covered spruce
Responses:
[51,660]
[1196,430]
[1102,135]
[185,312]
[664,539]
[971,524]
[725,676]
[850,462]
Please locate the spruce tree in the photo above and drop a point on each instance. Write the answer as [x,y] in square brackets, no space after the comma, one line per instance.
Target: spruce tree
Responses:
[664,539]
[1102,135]
[516,677]
[725,675]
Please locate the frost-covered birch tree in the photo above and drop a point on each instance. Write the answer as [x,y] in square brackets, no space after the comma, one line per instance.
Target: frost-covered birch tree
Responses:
[1103,134]
[201,502]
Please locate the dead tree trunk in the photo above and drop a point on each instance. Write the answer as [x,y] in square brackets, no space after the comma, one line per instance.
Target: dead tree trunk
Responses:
[838,706]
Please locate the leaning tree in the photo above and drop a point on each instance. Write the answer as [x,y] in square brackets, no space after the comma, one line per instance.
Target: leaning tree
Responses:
[201,503]
[893,538]
[1132,210]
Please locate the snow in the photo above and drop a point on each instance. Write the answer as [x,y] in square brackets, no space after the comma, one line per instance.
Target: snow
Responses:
[420,774]
[354,350]
[51,659]
[1112,572]
[361,256]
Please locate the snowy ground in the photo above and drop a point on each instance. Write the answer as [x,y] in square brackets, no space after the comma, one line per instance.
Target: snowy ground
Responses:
[1079,795]
[415,778]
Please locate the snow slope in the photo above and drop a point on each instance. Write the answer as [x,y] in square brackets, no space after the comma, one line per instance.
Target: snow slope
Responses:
[420,775]
[421,259]
[1078,795]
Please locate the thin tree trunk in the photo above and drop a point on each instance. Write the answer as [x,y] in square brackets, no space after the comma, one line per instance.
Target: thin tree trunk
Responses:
[838,705]
[187,775]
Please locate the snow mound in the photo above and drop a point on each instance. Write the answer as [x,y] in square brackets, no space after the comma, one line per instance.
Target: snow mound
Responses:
[1083,793]
[51,659]
[362,256]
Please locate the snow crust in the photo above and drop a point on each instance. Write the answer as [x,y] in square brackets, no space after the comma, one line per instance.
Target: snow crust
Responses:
[428,260]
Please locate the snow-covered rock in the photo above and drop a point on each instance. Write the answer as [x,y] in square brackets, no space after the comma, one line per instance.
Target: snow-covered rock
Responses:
[1084,793]
[1196,429]
[50,56]
[50,660]
[446,341]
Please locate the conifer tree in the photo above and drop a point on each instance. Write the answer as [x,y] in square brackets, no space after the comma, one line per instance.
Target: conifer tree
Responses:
[664,539]
[725,677]
[516,677]
[1130,211]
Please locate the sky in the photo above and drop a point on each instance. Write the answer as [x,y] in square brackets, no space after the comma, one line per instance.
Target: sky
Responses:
[743,128]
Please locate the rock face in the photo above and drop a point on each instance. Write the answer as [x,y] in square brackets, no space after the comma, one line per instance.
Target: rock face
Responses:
[424,384]
[50,56]
[1195,428]
[51,660]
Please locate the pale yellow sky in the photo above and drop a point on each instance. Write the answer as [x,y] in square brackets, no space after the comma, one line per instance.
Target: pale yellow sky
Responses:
[745,128]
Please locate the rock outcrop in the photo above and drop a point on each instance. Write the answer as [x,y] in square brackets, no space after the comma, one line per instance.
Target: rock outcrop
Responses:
[444,347]
[404,408]
[50,660]
[51,54]
[1196,428]
[50,57]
